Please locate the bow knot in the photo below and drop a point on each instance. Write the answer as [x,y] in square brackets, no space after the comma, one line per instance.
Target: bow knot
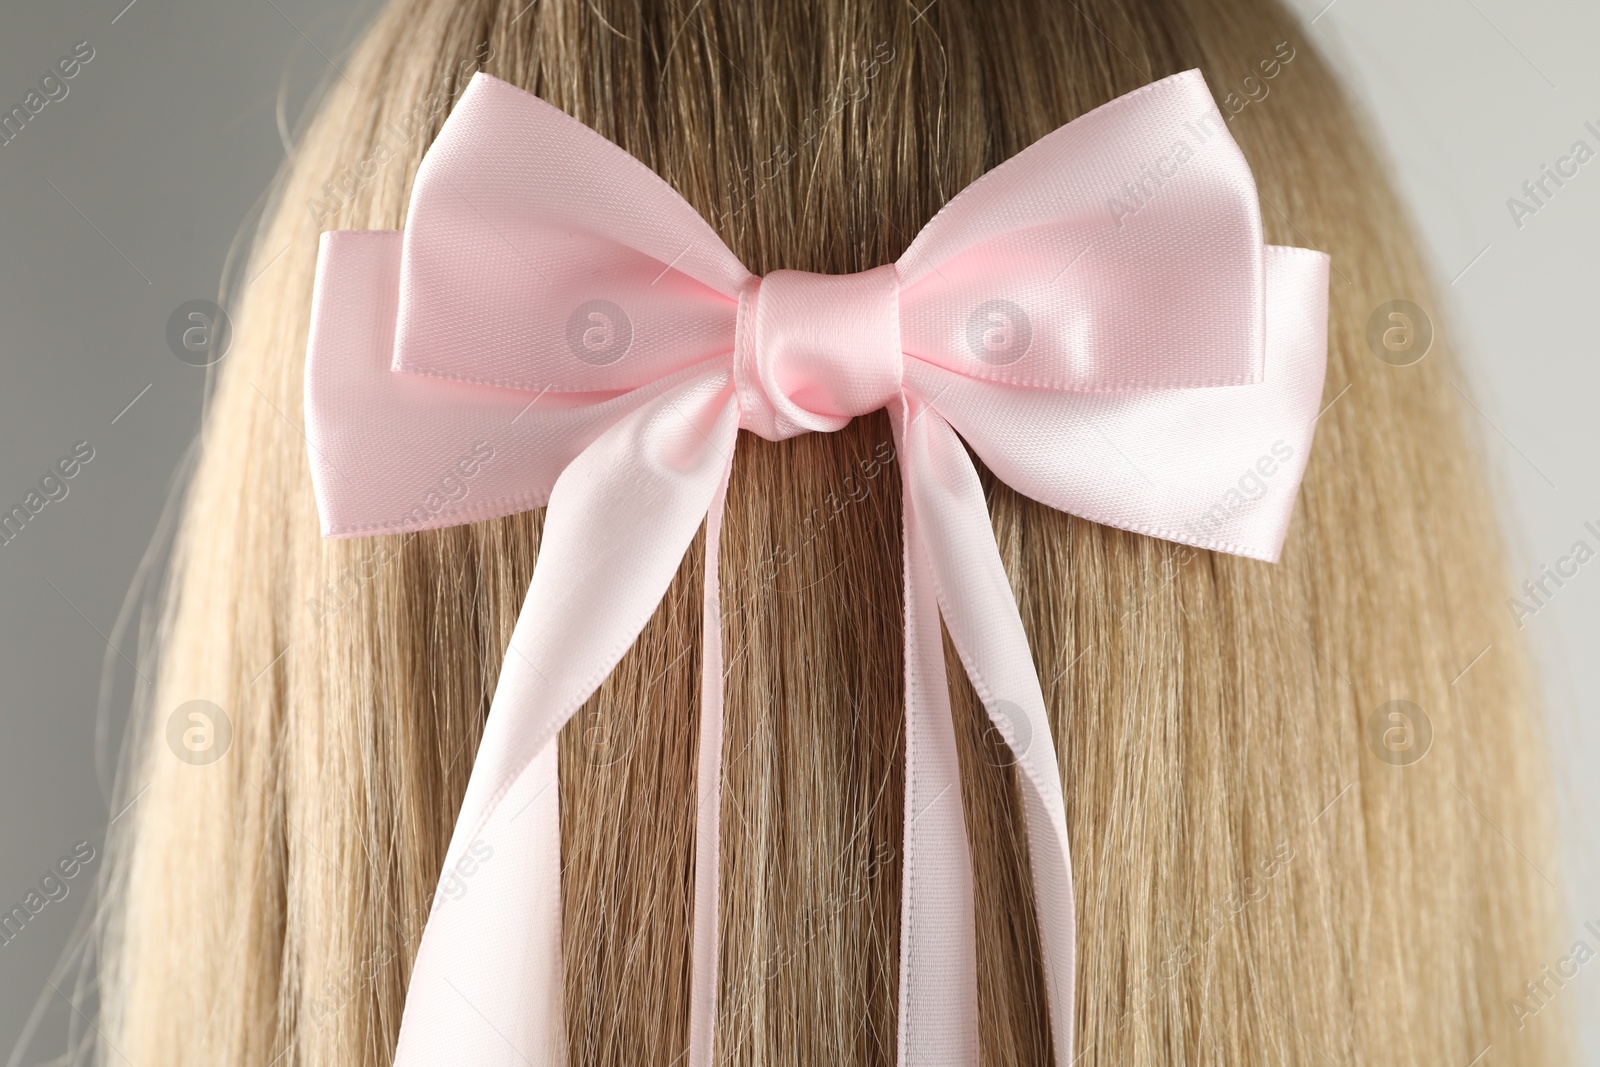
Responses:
[813,351]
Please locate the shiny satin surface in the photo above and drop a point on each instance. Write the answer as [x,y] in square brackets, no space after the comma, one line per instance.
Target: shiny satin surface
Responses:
[1097,319]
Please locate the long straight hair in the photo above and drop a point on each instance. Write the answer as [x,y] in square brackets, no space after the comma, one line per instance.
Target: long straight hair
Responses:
[1274,861]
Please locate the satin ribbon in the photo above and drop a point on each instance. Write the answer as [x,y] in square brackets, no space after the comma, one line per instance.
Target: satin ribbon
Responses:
[1097,319]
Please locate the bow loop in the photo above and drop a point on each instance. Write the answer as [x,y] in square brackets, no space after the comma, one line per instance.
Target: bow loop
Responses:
[815,350]
[553,260]
[1218,467]
[1122,251]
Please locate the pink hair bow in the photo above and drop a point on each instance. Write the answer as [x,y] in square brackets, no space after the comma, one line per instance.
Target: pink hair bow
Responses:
[1097,319]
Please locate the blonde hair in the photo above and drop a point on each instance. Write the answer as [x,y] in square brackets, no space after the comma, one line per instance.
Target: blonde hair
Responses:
[1255,884]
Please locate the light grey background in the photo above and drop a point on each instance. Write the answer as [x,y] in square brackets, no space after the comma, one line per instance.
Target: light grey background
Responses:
[120,202]
[117,204]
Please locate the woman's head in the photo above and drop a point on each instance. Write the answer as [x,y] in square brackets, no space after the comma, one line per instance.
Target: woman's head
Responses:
[1254,883]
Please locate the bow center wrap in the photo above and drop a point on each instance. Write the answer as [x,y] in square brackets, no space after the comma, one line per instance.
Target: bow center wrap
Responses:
[813,351]
[1097,320]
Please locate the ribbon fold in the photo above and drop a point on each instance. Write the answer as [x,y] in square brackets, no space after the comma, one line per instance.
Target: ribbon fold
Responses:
[1097,319]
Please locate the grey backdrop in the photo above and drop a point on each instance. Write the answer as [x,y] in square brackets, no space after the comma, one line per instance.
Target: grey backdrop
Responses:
[121,201]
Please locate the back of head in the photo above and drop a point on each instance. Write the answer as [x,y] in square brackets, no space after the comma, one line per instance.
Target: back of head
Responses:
[1254,884]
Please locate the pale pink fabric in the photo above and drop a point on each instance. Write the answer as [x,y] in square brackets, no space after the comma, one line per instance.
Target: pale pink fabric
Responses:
[1097,319]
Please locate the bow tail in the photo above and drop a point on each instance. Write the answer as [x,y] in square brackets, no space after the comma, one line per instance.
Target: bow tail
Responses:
[708,809]
[949,526]
[938,1002]
[938,949]
[486,985]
